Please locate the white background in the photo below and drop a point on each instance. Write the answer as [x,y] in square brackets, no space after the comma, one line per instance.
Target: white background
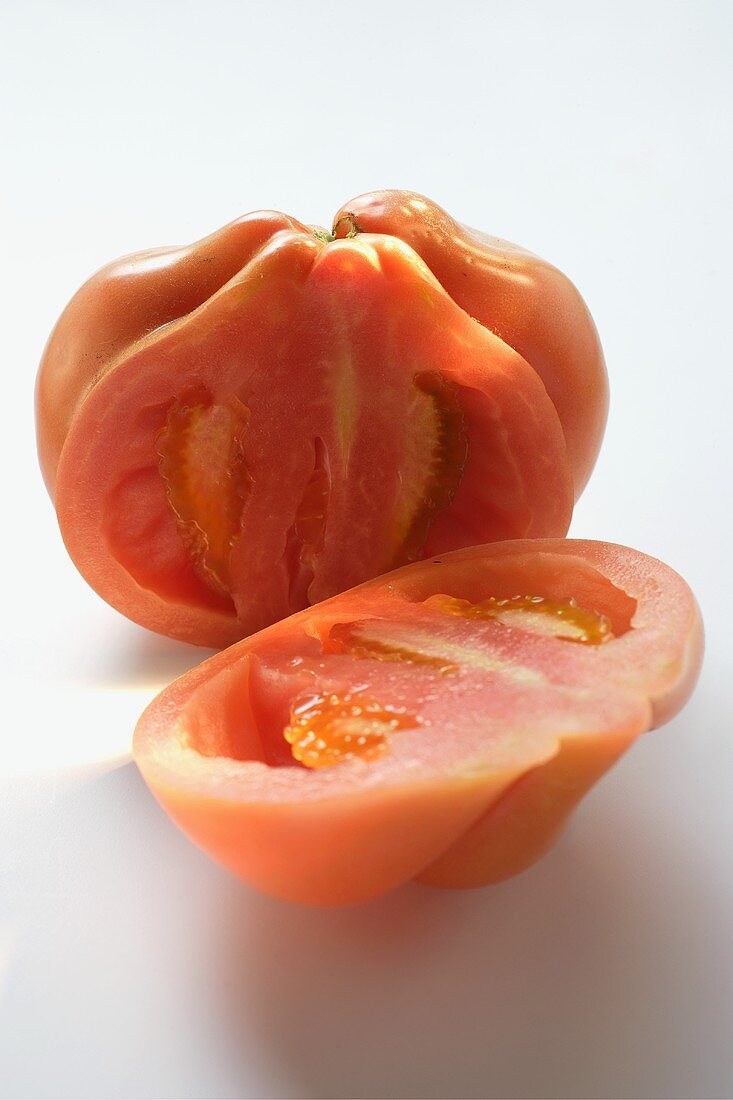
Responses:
[595,134]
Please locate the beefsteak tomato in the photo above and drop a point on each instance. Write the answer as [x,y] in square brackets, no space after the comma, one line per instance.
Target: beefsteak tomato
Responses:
[237,429]
[438,723]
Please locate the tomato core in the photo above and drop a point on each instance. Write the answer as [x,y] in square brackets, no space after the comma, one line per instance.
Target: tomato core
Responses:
[201,459]
[305,537]
[329,729]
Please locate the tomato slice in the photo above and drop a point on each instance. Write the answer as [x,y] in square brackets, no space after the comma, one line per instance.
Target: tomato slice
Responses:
[437,723]
[327,414]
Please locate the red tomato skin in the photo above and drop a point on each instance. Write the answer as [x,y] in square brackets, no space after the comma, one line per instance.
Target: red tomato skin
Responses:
[455,826]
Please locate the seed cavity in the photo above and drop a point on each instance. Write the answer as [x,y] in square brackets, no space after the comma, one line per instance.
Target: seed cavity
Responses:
[201,451]
[355,640]
[428,484]
[561,619]
[330,729]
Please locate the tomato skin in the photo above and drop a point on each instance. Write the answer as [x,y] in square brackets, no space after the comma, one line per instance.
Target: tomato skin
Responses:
[337,325]
[454,810]
[524,300]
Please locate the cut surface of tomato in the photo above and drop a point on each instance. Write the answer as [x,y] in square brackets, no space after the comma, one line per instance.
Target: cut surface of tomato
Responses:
[435,723]
[237,430]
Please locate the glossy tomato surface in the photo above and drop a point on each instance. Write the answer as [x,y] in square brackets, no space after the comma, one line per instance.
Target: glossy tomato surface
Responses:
[238,429]
[437,723]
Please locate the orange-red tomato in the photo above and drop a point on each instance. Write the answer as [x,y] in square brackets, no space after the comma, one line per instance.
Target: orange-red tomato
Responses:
[437,723]
[235,430]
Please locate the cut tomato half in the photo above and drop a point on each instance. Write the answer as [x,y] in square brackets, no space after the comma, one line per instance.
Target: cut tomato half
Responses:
[236,430]
[436,723]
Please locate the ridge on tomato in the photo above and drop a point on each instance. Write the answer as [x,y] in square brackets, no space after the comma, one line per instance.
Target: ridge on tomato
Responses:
[237,429]
[437,723]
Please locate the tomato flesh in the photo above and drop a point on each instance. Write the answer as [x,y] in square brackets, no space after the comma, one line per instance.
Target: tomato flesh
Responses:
[202,462]
[327,731]
[430,723]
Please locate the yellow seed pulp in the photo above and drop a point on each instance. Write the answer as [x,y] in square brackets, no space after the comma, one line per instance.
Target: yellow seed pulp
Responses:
[207,482]
[562,619]
[329,729]
[353,638]
[429,479]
